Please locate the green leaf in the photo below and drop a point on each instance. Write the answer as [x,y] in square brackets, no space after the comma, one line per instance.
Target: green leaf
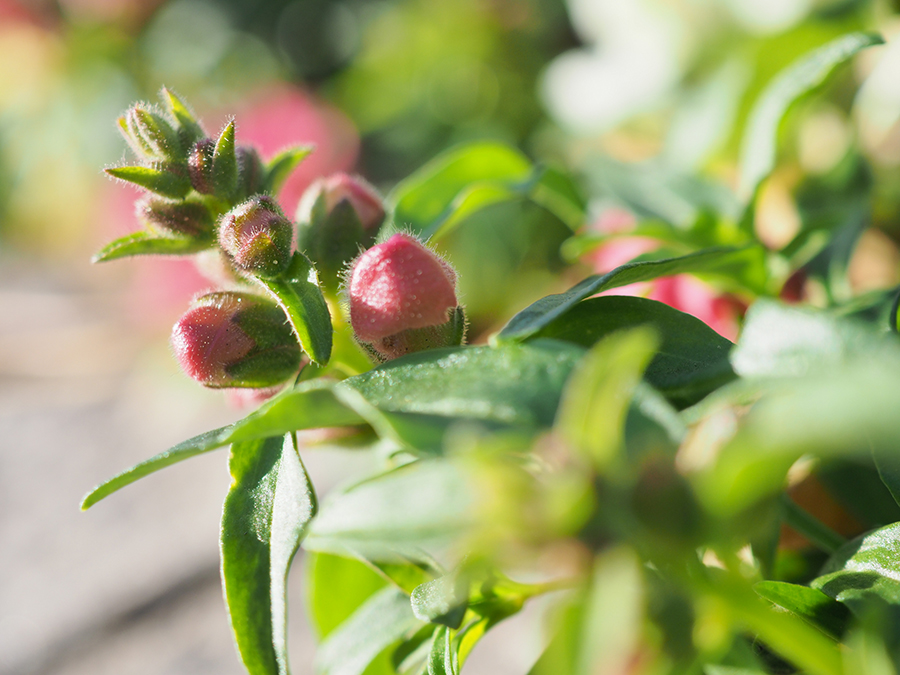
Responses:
[224,167]
[510,384]
[392,517]
[268,507]
[427,195]
[889,472]
[557,192]
[443,659]
[470,200]
[297,291]
[149,243]
[189,129]
[442,600]
[548,309]
[810,604]
[865,572]
[592,412]
[279,168]
[692,359]
[382,620]
[760,142]
[160,181]
[310,405]
[335,587]
[780,340]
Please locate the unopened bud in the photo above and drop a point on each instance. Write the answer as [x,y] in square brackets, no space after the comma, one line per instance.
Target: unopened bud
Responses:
[337,216]
[250,171]
[232,339]
[200,162]
[257,236]
[184,217]
[403,299]
[150,135]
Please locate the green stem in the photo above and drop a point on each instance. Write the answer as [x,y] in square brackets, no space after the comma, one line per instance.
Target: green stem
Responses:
[817,532]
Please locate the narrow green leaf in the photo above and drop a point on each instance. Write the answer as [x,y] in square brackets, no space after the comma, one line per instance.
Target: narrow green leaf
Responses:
[268,507]
[817,532]
[596,398]
[760,143]
[160,181]
[557,192]
[148,243]
[470,200]
[426,195]
[189,129]
[310,405]
[299,294]
[225,168]
[546,310]
[279,168]
[692,359]
[443,659]
[382,620]
[810,604]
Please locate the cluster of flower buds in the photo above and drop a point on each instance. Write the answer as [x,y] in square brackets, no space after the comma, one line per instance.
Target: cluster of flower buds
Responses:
[229,339]
[402,299]
[209,193]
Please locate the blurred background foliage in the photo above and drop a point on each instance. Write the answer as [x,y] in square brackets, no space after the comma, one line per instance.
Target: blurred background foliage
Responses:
[633,97]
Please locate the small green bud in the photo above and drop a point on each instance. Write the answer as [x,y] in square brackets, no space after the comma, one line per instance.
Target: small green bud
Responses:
[150,135]
[257,236]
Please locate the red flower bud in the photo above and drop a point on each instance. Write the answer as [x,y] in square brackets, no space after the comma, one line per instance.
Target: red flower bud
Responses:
[235,340]
[200,163]
[400,293]
[257,236]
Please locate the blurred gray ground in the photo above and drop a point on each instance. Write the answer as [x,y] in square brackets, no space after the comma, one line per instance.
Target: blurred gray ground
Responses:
[130,587]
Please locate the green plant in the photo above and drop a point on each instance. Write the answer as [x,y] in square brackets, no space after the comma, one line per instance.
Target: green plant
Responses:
[651,458]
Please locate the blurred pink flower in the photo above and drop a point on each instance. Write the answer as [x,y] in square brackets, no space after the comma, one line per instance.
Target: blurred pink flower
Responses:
[686,293]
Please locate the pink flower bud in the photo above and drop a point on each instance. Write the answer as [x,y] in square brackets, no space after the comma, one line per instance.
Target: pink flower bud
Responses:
[235,340]
[257,236]
[200,162]
[399,287]
[339,187]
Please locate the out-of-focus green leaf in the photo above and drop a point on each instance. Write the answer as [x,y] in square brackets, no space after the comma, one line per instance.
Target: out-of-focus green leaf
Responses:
[783,341]
[691,361]
[889,471]
[810,604]
[426,196]
[160,181]
[309,406]
[299,294]
[282,164]
[596,398]
[556,191]
[148,243]
[760,142]
[441,600]
[268,507]
[470,200]
[865,572]
[443,659]
[382,620]
[336,587]
[857,485]
[393,516]
[548,309]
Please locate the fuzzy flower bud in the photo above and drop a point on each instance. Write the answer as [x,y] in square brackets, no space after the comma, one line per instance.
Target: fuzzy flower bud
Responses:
[232,339]
[184,217]
[150,135]
[200,161]
[337,216]
[403,299]
[257,236]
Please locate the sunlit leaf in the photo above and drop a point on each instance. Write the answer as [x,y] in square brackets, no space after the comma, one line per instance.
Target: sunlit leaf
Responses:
[810,604]
[148,243]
